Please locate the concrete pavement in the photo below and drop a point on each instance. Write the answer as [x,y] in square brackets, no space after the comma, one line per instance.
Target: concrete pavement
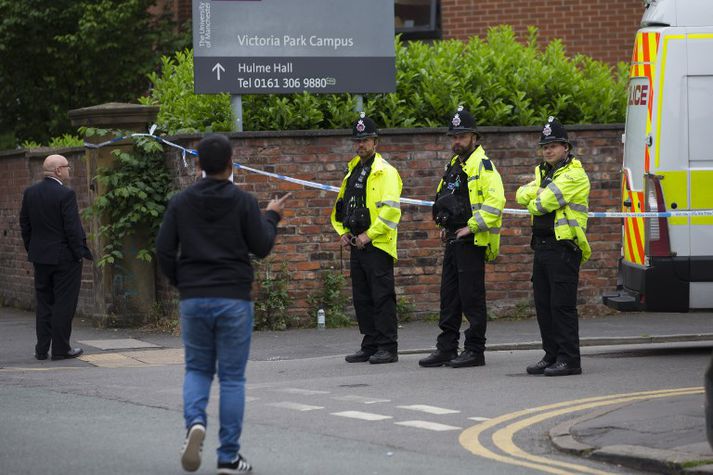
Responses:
[661,435]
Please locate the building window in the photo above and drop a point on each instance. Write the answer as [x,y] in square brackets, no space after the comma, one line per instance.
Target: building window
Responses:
[417,19]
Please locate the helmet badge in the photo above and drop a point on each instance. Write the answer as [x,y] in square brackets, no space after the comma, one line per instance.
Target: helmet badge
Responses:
[360,126]
[456,120]
[547,131]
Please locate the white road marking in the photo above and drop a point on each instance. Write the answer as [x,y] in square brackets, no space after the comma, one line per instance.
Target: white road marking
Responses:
[366,416]
[479,419]
[427,425]
[304,392]
[295,406]
[361,399]
[429,409]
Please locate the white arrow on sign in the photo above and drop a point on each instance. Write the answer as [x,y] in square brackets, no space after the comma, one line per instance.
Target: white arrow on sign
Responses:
[218,68]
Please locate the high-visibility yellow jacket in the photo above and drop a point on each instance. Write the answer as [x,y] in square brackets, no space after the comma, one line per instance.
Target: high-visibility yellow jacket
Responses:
[487,201]
[383,195]
[568,196]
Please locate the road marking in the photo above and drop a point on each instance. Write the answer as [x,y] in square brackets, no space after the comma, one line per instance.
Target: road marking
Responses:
[479,419]
[503,438]
[295,406]
[427,425]
[20,369]
[304,392]
[439,411]
[366,416]
[361,399]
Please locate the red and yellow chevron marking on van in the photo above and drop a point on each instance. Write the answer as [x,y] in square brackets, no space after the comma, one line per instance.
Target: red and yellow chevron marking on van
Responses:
[633,227]
[643,62]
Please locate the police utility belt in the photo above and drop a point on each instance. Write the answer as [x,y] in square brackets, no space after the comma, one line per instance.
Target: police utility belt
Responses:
[551,242]
[451,211]
[357,219]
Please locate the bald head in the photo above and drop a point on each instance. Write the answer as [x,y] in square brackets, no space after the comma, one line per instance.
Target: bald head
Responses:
[56,166]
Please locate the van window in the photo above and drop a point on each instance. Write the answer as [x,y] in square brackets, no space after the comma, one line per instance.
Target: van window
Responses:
[700,119]
[637,113]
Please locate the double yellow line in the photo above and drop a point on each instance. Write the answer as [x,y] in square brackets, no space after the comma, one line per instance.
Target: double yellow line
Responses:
[503,438]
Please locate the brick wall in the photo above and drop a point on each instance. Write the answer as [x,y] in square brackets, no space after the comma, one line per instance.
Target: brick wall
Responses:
[307,242]
[21,169]
[602,29]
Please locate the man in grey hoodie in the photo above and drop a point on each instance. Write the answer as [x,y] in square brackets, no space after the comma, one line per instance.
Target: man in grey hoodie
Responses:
[203,248]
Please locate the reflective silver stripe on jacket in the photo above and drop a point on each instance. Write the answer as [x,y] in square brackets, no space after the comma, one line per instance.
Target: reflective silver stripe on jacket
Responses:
[558,194]
[472,178]
[540,208]
[390,224]
[580,208]
[393,204]
[564,221]
[494,230]
[491,210]
[481,222]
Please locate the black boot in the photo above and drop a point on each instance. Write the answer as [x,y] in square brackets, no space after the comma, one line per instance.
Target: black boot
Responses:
[468,358]
[437,358]
[361,356]
[563,368]
[539,367]
[383,356]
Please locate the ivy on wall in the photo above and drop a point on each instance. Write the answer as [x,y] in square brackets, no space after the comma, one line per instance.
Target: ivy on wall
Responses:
[138,187]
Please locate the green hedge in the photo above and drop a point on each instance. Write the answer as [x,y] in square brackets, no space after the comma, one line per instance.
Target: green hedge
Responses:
[503,81]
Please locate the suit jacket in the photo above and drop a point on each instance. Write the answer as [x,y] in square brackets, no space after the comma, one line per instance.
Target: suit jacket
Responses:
[49,220]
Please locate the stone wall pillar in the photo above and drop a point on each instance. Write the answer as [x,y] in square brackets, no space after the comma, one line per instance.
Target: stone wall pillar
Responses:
[125,290]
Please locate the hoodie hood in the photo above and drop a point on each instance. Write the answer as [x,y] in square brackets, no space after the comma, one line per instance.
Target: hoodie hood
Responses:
[212,199]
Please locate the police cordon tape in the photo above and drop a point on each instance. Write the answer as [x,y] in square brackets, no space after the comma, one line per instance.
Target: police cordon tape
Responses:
[335,189]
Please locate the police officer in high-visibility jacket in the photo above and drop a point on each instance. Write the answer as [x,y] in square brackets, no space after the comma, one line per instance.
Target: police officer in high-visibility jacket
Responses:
[366,215]
[558,200]
[468,208]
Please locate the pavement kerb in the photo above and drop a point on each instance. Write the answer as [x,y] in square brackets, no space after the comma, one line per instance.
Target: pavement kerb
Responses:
[632,456]
[592,341]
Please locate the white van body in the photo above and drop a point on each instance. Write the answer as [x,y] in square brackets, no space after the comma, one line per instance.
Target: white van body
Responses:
[667,263]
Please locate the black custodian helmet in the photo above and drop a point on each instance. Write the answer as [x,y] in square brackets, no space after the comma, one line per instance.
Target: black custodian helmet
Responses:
[462,122]
[554,131]
[364,128]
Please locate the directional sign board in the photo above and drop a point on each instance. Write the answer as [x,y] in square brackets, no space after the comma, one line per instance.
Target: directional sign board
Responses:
[287,46]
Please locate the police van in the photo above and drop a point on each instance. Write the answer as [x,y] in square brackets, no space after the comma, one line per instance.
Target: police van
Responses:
[667,262]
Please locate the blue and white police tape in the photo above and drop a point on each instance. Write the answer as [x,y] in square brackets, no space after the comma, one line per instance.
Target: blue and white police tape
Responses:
[335,189]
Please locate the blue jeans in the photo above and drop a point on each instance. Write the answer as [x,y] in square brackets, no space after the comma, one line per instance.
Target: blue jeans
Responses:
[216,330]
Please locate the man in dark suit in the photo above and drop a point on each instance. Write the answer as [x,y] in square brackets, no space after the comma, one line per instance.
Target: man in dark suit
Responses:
[55,244]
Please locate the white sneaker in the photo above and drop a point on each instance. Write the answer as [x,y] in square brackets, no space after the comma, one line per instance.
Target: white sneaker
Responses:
[192,448]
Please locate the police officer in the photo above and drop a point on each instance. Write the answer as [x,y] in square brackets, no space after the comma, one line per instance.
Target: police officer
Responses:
[468,209]
[365,216]
[558,200]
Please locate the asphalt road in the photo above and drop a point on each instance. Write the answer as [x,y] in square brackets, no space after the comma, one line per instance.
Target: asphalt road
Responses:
[318,415]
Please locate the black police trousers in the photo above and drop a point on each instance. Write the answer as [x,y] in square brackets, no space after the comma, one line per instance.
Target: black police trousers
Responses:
[463,292]
[374,298]
[555,276]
